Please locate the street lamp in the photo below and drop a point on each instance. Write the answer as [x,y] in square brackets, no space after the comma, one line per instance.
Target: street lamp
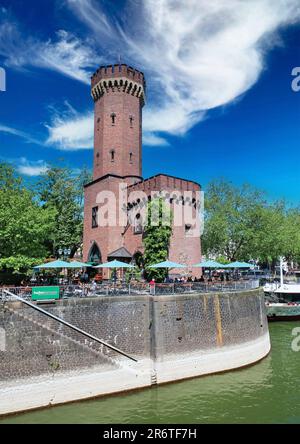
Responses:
[66,252]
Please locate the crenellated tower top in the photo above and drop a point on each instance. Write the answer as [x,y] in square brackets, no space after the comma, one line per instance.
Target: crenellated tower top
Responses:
[119,96]
[121,78]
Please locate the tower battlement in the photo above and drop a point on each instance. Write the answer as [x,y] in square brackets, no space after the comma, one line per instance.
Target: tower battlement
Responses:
[121,78]
[117,71]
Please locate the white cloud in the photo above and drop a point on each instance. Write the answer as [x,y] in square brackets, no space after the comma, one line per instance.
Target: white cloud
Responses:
[31,168]
[151,139]
[66,54]
[198,54]
[71,131]
[27,167]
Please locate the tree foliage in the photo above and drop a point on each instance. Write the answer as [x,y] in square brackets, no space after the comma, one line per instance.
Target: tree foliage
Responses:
[24,224]
[60,191]
[241,225]
[157,236]
[34,223]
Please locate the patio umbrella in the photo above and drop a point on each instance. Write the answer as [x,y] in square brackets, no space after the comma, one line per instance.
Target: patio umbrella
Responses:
[239,265]
[167,264]
[209,264]
[53,264]
[115,264]
[77,264]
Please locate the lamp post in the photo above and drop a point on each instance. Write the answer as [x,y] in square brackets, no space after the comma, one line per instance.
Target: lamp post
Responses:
[65,252]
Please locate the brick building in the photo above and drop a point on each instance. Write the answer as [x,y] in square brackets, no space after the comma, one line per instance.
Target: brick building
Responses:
[116,199]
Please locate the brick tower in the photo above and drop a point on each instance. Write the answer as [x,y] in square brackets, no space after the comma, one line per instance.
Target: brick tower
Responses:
[119,95]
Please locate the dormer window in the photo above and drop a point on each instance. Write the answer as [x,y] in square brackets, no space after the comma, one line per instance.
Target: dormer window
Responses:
[113,118]
[112,155]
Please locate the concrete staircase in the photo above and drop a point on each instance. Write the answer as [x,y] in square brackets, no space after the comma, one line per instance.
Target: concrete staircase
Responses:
[87,344]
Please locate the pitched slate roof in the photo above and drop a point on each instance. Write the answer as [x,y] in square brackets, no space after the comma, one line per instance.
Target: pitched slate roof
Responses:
[121,252]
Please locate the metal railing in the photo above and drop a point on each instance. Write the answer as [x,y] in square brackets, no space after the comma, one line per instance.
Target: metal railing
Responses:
[137,288]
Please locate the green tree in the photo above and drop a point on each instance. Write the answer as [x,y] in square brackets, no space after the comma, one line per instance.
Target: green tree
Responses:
[157,236]
[24,224]
[232,217]
[62,191]
[241,225]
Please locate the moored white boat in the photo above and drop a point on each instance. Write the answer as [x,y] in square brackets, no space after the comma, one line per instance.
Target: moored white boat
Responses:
[282,300]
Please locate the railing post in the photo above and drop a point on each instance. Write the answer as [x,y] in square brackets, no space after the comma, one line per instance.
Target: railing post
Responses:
[129,288]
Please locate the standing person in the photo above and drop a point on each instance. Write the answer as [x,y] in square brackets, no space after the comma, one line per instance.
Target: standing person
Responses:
[152,286]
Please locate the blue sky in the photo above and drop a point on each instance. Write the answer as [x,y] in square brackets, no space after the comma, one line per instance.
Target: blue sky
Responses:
[219,96]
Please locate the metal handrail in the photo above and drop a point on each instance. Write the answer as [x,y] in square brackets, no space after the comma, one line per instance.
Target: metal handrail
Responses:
[142,288]
[67,324]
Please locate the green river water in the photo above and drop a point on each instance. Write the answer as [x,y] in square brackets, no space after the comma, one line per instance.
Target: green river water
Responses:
[268,392]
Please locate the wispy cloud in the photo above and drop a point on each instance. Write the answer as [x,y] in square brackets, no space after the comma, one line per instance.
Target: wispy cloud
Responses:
[65,54]
[18,133]
[70,130]
[198,54]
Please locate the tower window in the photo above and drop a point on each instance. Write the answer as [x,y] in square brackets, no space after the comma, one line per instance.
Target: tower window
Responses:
[187,229]
[112,155]
[97,158]
[138,227]
[95,217]
[130,157]
[131,119]
[113,118]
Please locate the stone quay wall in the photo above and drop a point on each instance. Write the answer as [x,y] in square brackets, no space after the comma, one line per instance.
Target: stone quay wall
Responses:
[43,362]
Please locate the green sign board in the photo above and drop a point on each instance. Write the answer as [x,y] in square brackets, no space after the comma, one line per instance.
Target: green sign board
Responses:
[42,293]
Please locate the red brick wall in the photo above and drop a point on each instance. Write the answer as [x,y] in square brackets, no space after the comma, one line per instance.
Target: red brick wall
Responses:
[124,137]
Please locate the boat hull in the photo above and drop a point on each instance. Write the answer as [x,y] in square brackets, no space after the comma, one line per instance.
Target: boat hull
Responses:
[283,312]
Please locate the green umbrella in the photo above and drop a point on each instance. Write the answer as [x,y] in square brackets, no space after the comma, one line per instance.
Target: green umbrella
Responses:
[115,264]
[167,264]
[209,264]
[239,265]
[77,264]
[54,264]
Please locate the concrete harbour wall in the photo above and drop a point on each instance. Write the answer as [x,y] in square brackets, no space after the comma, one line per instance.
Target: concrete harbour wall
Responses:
[173,337]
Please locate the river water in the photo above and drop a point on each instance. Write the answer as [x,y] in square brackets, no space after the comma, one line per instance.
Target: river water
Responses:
[268,392]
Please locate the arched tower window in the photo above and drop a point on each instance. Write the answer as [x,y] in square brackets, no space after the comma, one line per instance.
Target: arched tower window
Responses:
[138,226]
[130,157]
[112,155]
[113,118]
[131,119]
